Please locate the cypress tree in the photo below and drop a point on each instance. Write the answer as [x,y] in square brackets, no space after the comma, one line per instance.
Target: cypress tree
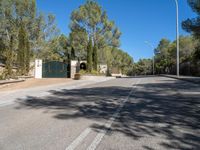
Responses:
[23,54]
[9,59]
[27,56]
[89,55]
[95,57]
[72,53]
[20,54]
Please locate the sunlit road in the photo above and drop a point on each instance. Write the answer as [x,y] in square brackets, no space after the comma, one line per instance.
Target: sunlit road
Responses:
[150,113]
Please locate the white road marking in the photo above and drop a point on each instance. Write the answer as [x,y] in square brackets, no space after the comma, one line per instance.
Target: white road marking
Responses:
[79,139]
[102,133]
[5,103]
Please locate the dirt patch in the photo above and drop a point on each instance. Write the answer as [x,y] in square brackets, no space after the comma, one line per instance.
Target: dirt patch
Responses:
[30,83]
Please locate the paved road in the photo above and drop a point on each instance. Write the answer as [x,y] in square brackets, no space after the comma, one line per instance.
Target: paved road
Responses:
[128,113]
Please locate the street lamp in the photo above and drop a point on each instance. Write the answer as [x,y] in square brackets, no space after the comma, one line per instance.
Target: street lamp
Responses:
[177,39]
[177,42]
[153,54]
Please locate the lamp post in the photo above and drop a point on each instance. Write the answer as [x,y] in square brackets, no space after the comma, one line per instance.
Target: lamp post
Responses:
[177,40]
[153,55]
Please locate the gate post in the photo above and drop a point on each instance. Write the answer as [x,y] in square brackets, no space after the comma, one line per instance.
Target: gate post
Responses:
[38,68]
[73,68]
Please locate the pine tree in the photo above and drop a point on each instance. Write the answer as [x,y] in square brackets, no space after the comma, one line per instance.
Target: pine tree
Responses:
[192,26]
[91,20]
[89,55]
[95,57]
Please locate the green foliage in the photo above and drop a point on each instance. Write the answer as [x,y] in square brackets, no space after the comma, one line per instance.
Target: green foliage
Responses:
[117,58]
[95,72]
[142,67]
[78,39]
[165,60]
[95,57]
[28,34]
[192,26]
[23,52]
[39,30]
[121,60]
[89,56]
[1,77]
[73,55]
[6,75]
[92,72]
[83,72]
[196,54]
[90,22]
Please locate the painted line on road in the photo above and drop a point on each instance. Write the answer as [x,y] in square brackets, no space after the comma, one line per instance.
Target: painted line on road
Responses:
[79,139]
[102,133]
[5,103]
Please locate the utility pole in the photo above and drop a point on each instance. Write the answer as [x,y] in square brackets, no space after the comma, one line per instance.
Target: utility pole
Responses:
[177,40]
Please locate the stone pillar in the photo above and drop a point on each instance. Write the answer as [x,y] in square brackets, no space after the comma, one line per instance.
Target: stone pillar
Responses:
[38,69]
[73,68]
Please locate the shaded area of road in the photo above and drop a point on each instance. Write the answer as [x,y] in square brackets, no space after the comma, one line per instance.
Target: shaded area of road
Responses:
[161,108]
[169,110]
[94,103]
[46,122]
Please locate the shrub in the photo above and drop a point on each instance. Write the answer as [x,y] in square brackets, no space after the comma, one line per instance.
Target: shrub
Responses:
[83,72]
[1,77]
[94,72]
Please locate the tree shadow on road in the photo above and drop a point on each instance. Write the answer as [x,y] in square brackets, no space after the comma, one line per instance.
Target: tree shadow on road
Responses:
[164,109]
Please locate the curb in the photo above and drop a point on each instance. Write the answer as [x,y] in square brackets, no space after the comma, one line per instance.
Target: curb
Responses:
[10,81]
[183,79]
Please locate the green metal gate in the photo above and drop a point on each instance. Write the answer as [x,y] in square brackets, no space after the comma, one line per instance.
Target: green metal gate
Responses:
[55,69]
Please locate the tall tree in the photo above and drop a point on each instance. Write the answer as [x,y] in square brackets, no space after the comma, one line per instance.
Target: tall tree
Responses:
[8,35]
[95,57]
[193,25]
[91,20]
[39,30]
[73,53]
[23,55]
[164,58]
[78,39]
[89,55]
[47,40]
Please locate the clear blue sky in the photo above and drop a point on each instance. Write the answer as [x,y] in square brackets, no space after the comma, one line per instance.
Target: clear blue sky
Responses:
[138,20]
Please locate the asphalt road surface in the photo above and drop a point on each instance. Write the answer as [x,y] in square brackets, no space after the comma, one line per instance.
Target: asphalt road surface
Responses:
[147,113]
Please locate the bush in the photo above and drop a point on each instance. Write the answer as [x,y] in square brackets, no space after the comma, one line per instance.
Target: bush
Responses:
[5,75]
[94,72]
[83,72]
[1,77]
